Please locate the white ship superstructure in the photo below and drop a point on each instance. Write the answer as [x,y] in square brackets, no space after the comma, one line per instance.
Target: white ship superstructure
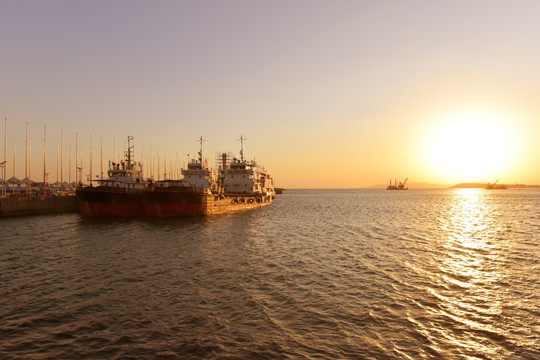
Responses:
[245,177]
[199,175]
[241,185]
[125,174]
[118,195]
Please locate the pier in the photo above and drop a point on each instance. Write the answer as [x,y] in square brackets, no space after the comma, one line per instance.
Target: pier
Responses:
[35,205]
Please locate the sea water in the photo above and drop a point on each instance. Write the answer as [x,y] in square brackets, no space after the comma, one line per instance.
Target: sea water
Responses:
[329,274]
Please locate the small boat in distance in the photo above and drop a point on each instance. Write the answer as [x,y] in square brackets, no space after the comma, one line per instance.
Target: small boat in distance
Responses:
[494,186]
[396,186]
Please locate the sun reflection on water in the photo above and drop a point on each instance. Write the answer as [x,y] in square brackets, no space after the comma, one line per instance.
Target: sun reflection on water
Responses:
[470,290]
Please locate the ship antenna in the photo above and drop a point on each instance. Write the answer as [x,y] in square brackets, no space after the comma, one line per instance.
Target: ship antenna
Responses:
[129,150]
[201,140]
[241,148]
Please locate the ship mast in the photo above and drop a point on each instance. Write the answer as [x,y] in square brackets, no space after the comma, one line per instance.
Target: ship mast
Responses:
[201,140]
[130,138]
[241,148]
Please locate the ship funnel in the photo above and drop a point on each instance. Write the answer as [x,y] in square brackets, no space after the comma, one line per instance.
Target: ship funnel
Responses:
[224,160]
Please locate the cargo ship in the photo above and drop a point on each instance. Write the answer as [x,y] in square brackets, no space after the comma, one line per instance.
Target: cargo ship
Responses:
[239,185]
[119,195]
[182,197]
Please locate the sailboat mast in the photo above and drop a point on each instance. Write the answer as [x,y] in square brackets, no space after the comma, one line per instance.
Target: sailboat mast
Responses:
[5,160]
[57,151]
[26,155]
[14,147]
[62,158]
[29,157]
[76,158]
[26,186]
[44,156]
[101,146]
[90,160]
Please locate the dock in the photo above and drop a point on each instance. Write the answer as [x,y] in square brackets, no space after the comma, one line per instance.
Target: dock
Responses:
[35,205]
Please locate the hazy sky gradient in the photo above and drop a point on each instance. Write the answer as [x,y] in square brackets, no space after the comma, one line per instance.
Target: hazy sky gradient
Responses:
[328,93]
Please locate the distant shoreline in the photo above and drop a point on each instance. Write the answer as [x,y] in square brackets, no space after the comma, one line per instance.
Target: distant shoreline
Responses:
[429,187]
[483,185]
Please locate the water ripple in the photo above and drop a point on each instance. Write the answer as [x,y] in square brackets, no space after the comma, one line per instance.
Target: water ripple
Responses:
[319,274]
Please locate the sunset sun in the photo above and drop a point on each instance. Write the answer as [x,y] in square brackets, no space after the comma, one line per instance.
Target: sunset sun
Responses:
[470,146]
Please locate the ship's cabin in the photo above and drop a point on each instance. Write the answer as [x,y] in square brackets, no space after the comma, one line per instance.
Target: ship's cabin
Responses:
[239,165]
[196,165]
[124,175]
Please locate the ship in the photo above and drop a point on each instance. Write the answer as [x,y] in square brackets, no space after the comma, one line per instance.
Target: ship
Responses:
[396,186]
[120,194]
[238,185]
[496,186]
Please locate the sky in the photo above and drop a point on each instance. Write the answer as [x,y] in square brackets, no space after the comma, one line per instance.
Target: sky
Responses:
[328,94]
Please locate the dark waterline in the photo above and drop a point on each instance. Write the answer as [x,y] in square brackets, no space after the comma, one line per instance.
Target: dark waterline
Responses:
[319,274]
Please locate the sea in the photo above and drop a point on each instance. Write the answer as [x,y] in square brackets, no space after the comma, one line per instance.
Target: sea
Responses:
[319,274]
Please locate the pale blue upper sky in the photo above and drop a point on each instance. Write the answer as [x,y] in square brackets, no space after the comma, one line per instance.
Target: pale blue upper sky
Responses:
[328,93]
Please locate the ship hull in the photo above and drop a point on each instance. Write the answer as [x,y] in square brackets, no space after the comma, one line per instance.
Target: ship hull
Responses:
[107,202]
[185,203]
[113,202]
[231,203]
[173,202]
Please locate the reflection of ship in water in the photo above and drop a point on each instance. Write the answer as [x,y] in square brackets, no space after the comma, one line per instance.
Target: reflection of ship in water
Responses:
[397,186]
[496,186]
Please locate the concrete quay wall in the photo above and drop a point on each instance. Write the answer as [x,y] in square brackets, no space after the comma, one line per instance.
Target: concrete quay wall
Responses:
[33,205]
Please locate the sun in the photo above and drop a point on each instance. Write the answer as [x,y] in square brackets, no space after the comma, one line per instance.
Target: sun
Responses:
[470,146]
